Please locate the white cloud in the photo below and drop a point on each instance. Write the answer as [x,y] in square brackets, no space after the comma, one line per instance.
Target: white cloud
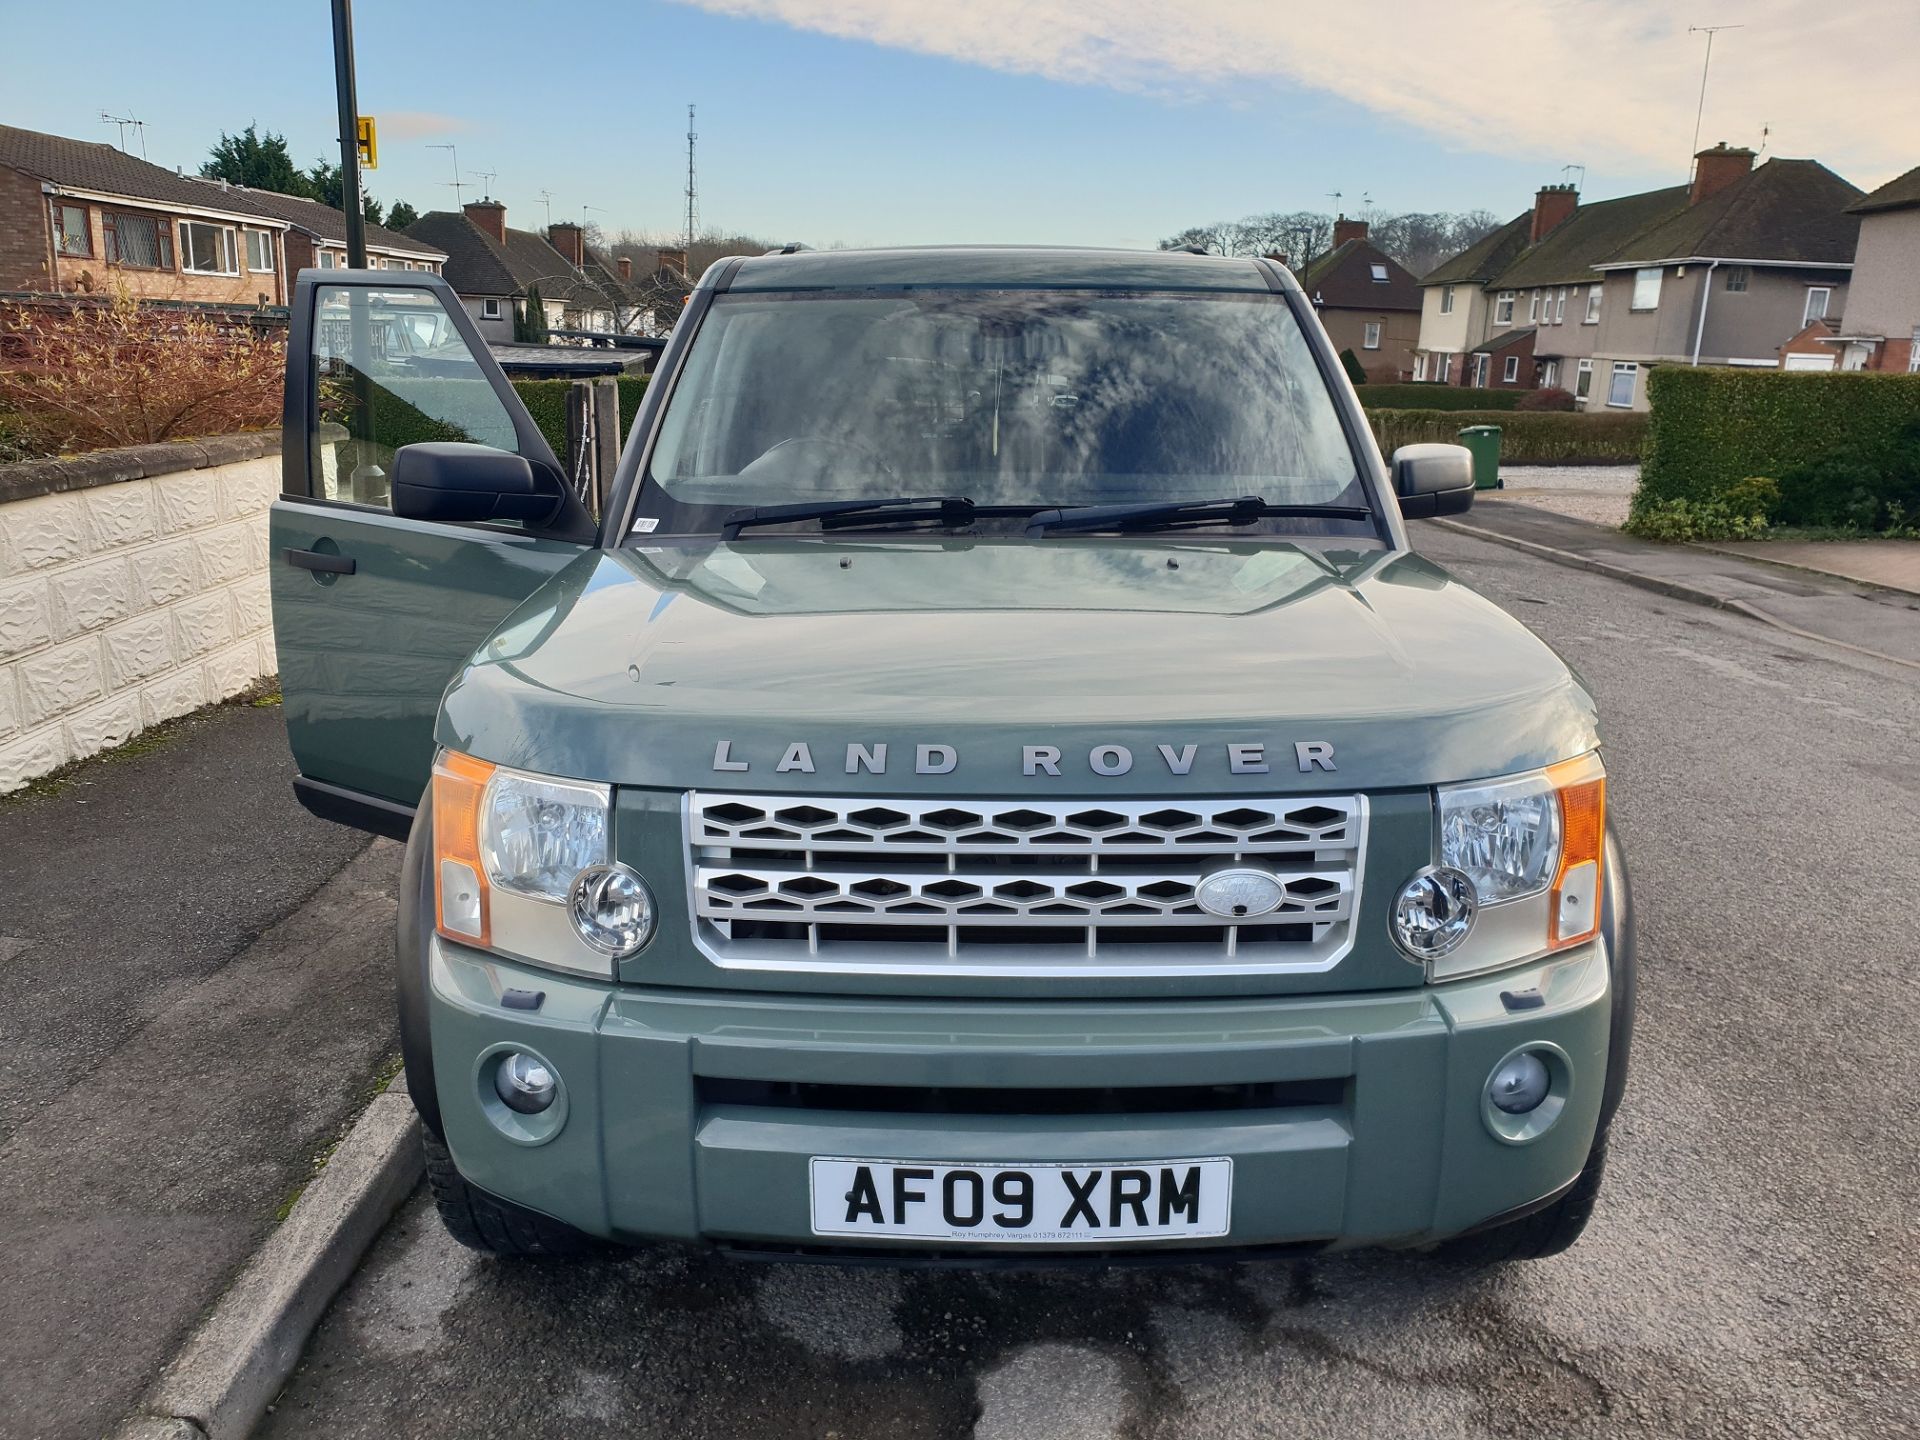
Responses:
[1609,83]
[419,124]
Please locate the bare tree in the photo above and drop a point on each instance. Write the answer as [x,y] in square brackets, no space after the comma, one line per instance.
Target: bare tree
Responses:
[1419,241]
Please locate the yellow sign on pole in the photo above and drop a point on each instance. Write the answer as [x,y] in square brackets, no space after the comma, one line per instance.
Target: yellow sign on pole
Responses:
[369,143]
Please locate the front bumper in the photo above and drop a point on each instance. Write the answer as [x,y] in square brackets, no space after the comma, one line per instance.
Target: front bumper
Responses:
[1365,1125]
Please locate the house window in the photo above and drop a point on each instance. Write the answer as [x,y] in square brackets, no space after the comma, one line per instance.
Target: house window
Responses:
[1370,335]
[1593,305]
[1533,307]
[260,251]
[1550,375]
[1420,365]
[490,310]
[1511,375]
[139,242]
[1737,276]
[70,233]
[1620,388]
[1913,355]
[1817,298]
[1583,380]
[1480,372]
[1446,300]
[1646,289]
[207,249]
[1443,368]
[1503,308]
[1560,307]
[326,259]
[1379,274]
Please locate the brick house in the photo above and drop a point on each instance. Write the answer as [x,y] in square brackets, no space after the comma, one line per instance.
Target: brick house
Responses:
[1368,302]
[316,235]
[81,216]
[493,268]
[1880,329]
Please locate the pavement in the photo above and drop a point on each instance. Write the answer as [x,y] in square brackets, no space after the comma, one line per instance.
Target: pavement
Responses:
[1893,564]
[1751,1271]
[199,998]
[1826,606]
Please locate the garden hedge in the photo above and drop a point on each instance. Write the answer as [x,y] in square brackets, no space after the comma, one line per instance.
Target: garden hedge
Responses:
[1712,428]
[1526,437]
[546,401]
[1436,397]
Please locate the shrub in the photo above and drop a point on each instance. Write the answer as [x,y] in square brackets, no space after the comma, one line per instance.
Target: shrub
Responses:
[1525,439]
[1350,362]
[1713,428]
[1420,396]
[1547,398]
[1678,520]
[1872,483]
[123,373]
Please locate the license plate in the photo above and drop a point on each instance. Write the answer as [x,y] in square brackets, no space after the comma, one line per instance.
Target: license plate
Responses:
[1042,1204]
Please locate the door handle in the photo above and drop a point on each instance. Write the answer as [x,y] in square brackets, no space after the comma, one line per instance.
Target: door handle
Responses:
[321,562]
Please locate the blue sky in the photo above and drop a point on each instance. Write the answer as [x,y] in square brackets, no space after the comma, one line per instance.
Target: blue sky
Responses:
[1001,120]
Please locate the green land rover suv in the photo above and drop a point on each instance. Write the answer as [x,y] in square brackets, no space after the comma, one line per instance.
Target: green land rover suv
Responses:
[992,781]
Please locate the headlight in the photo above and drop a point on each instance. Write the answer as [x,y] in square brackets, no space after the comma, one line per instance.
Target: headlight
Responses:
[1533,847]
[536,834]
[508,848]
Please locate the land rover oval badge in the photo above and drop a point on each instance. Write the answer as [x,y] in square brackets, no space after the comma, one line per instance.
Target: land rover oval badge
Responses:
[1236,894]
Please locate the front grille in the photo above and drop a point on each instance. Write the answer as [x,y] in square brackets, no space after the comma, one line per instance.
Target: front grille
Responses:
[1018,887]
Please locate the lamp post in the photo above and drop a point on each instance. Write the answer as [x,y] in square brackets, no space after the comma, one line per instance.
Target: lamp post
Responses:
[349,135]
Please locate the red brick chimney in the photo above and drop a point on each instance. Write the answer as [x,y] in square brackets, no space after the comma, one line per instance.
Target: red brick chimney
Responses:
[1551,207]
[1345,230]
[1715,169]
[673,259]
[490,216]
[626,267]
[568,240]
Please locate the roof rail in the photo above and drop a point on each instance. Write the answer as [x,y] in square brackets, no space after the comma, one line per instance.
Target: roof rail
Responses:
[792,247]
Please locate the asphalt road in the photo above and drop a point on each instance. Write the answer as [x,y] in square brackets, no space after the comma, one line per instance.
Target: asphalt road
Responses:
[197,994]
[1754,1269]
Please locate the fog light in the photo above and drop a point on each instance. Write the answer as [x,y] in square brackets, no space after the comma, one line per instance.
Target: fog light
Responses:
[1519,1084]
[612,909]
[524,1083]
[1434,912]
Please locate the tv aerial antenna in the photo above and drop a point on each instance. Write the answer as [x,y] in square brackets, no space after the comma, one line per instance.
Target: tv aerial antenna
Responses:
[1705,65]
[138,126]
[453,152]
[489,176]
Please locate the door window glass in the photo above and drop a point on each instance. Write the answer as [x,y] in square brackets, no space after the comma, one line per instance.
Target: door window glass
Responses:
[390,369]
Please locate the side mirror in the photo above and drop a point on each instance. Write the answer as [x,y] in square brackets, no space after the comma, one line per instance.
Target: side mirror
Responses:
[451,480]
[1432,480]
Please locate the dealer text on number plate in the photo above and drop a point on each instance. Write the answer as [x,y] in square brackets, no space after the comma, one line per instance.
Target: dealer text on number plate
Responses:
[1043,1204]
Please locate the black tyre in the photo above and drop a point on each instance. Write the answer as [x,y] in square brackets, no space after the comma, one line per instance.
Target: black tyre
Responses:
[1546,1231]
[494,1226]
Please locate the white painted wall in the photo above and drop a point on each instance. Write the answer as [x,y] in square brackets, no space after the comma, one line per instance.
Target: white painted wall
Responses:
[127,604]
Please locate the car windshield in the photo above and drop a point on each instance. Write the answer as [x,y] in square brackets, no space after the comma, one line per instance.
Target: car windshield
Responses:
[1022,400]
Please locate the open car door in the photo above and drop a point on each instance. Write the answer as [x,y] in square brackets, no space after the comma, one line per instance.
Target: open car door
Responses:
[377,603]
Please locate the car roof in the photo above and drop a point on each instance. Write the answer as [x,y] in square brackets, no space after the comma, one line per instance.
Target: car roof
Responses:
[991,267]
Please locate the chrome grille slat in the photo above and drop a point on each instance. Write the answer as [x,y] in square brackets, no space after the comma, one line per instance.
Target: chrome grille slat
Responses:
[1017,887]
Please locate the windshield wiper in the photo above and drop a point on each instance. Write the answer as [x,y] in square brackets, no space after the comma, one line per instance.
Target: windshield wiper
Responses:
[1161,514]
[947,509]
[952,509]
